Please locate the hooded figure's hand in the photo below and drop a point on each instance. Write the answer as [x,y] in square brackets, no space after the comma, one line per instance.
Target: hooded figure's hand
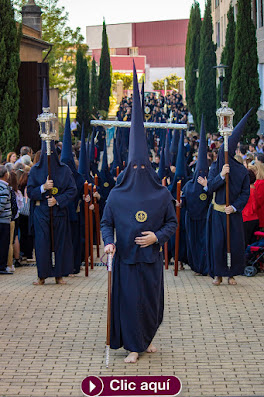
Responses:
[148,238]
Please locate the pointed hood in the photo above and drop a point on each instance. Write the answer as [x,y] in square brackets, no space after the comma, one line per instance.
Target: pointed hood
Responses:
[167,151]
[162,171]
[107,181]
[202,162]
[66,153]
[45,100]
[92,147]
[138,150]
[237,133]
[105,159]
[174,146]
[143,99]
[82,158]
[181,172]
[196,198]
[116,159]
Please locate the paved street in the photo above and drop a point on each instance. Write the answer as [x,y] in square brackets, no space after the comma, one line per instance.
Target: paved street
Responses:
[53,336]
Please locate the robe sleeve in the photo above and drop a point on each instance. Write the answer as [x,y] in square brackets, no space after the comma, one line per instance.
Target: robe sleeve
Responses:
[69,195]
[107,225]
[242,199]
[169,226]
[33,192]
[214,180]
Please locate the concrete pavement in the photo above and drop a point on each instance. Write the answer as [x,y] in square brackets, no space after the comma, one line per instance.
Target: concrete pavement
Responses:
[53,336]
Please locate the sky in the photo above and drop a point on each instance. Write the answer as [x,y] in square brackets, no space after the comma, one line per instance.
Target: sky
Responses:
[84,13]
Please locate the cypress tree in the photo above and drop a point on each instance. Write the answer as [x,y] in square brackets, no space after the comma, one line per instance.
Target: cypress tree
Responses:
[205,97]
[82,79]
[9,65]
[228,54]
[104,81]
[192,57]
[94,91]
[244,91]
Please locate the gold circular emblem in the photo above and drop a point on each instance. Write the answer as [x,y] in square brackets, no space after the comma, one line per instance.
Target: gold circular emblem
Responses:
[106,184]
[54,191]
[141,216]
[203,196]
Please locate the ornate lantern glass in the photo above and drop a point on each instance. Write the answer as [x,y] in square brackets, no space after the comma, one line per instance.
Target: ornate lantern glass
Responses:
[47,130]
[225,117]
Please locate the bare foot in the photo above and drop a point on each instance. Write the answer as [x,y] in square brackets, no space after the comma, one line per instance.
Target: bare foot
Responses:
[59,280]
[232,281]
[131,358]
[40,281]
[217,280]
[151,349]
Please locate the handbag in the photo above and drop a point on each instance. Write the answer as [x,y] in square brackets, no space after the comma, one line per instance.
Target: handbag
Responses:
[26,205]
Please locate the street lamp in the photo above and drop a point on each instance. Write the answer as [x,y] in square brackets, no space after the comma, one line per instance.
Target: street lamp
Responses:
[196,73]
[221,75]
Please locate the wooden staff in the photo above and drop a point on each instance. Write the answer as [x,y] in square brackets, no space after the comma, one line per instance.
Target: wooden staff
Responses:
[228,246]
[177,234]
[166,250]
[109,271]
[50,208]
[86,219]
[90,189]
[117,171]
[97,221]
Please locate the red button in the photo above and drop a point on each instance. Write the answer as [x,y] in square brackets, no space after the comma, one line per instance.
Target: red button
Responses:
[92,386]
[131,386]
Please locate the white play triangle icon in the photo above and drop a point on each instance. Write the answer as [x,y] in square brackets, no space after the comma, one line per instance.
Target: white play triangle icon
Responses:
[91,386]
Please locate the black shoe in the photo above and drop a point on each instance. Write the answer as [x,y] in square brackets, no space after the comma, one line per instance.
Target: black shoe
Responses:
[5,272]
[17,263]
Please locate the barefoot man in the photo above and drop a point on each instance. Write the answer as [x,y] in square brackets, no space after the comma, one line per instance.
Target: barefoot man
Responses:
[142,213]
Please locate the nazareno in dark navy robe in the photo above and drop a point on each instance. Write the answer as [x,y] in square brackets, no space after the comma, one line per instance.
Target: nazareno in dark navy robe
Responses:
[64,192]
[216,222]
[136,204]
[74,205]
[196,202]
[239,191]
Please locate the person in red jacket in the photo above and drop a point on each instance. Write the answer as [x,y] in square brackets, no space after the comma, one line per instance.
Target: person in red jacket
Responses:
[249,213]
[259,185]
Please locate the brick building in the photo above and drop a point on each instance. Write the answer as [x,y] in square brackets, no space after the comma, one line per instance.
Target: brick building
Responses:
[158,47]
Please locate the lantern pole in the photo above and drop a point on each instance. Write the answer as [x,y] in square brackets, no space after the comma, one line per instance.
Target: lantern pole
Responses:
[225,126]
[47,133]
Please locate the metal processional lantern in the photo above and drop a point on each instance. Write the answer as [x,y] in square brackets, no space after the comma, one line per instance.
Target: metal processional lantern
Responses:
[225,117]
[47,133]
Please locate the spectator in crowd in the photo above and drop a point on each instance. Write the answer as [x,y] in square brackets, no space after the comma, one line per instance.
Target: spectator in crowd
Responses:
[26,239]
[11,157]
[259,186]
[250,212]
[5,219]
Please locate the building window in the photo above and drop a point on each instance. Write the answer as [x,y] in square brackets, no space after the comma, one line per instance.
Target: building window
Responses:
[217,34]
[216,3]
[112,51]
[133,51]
